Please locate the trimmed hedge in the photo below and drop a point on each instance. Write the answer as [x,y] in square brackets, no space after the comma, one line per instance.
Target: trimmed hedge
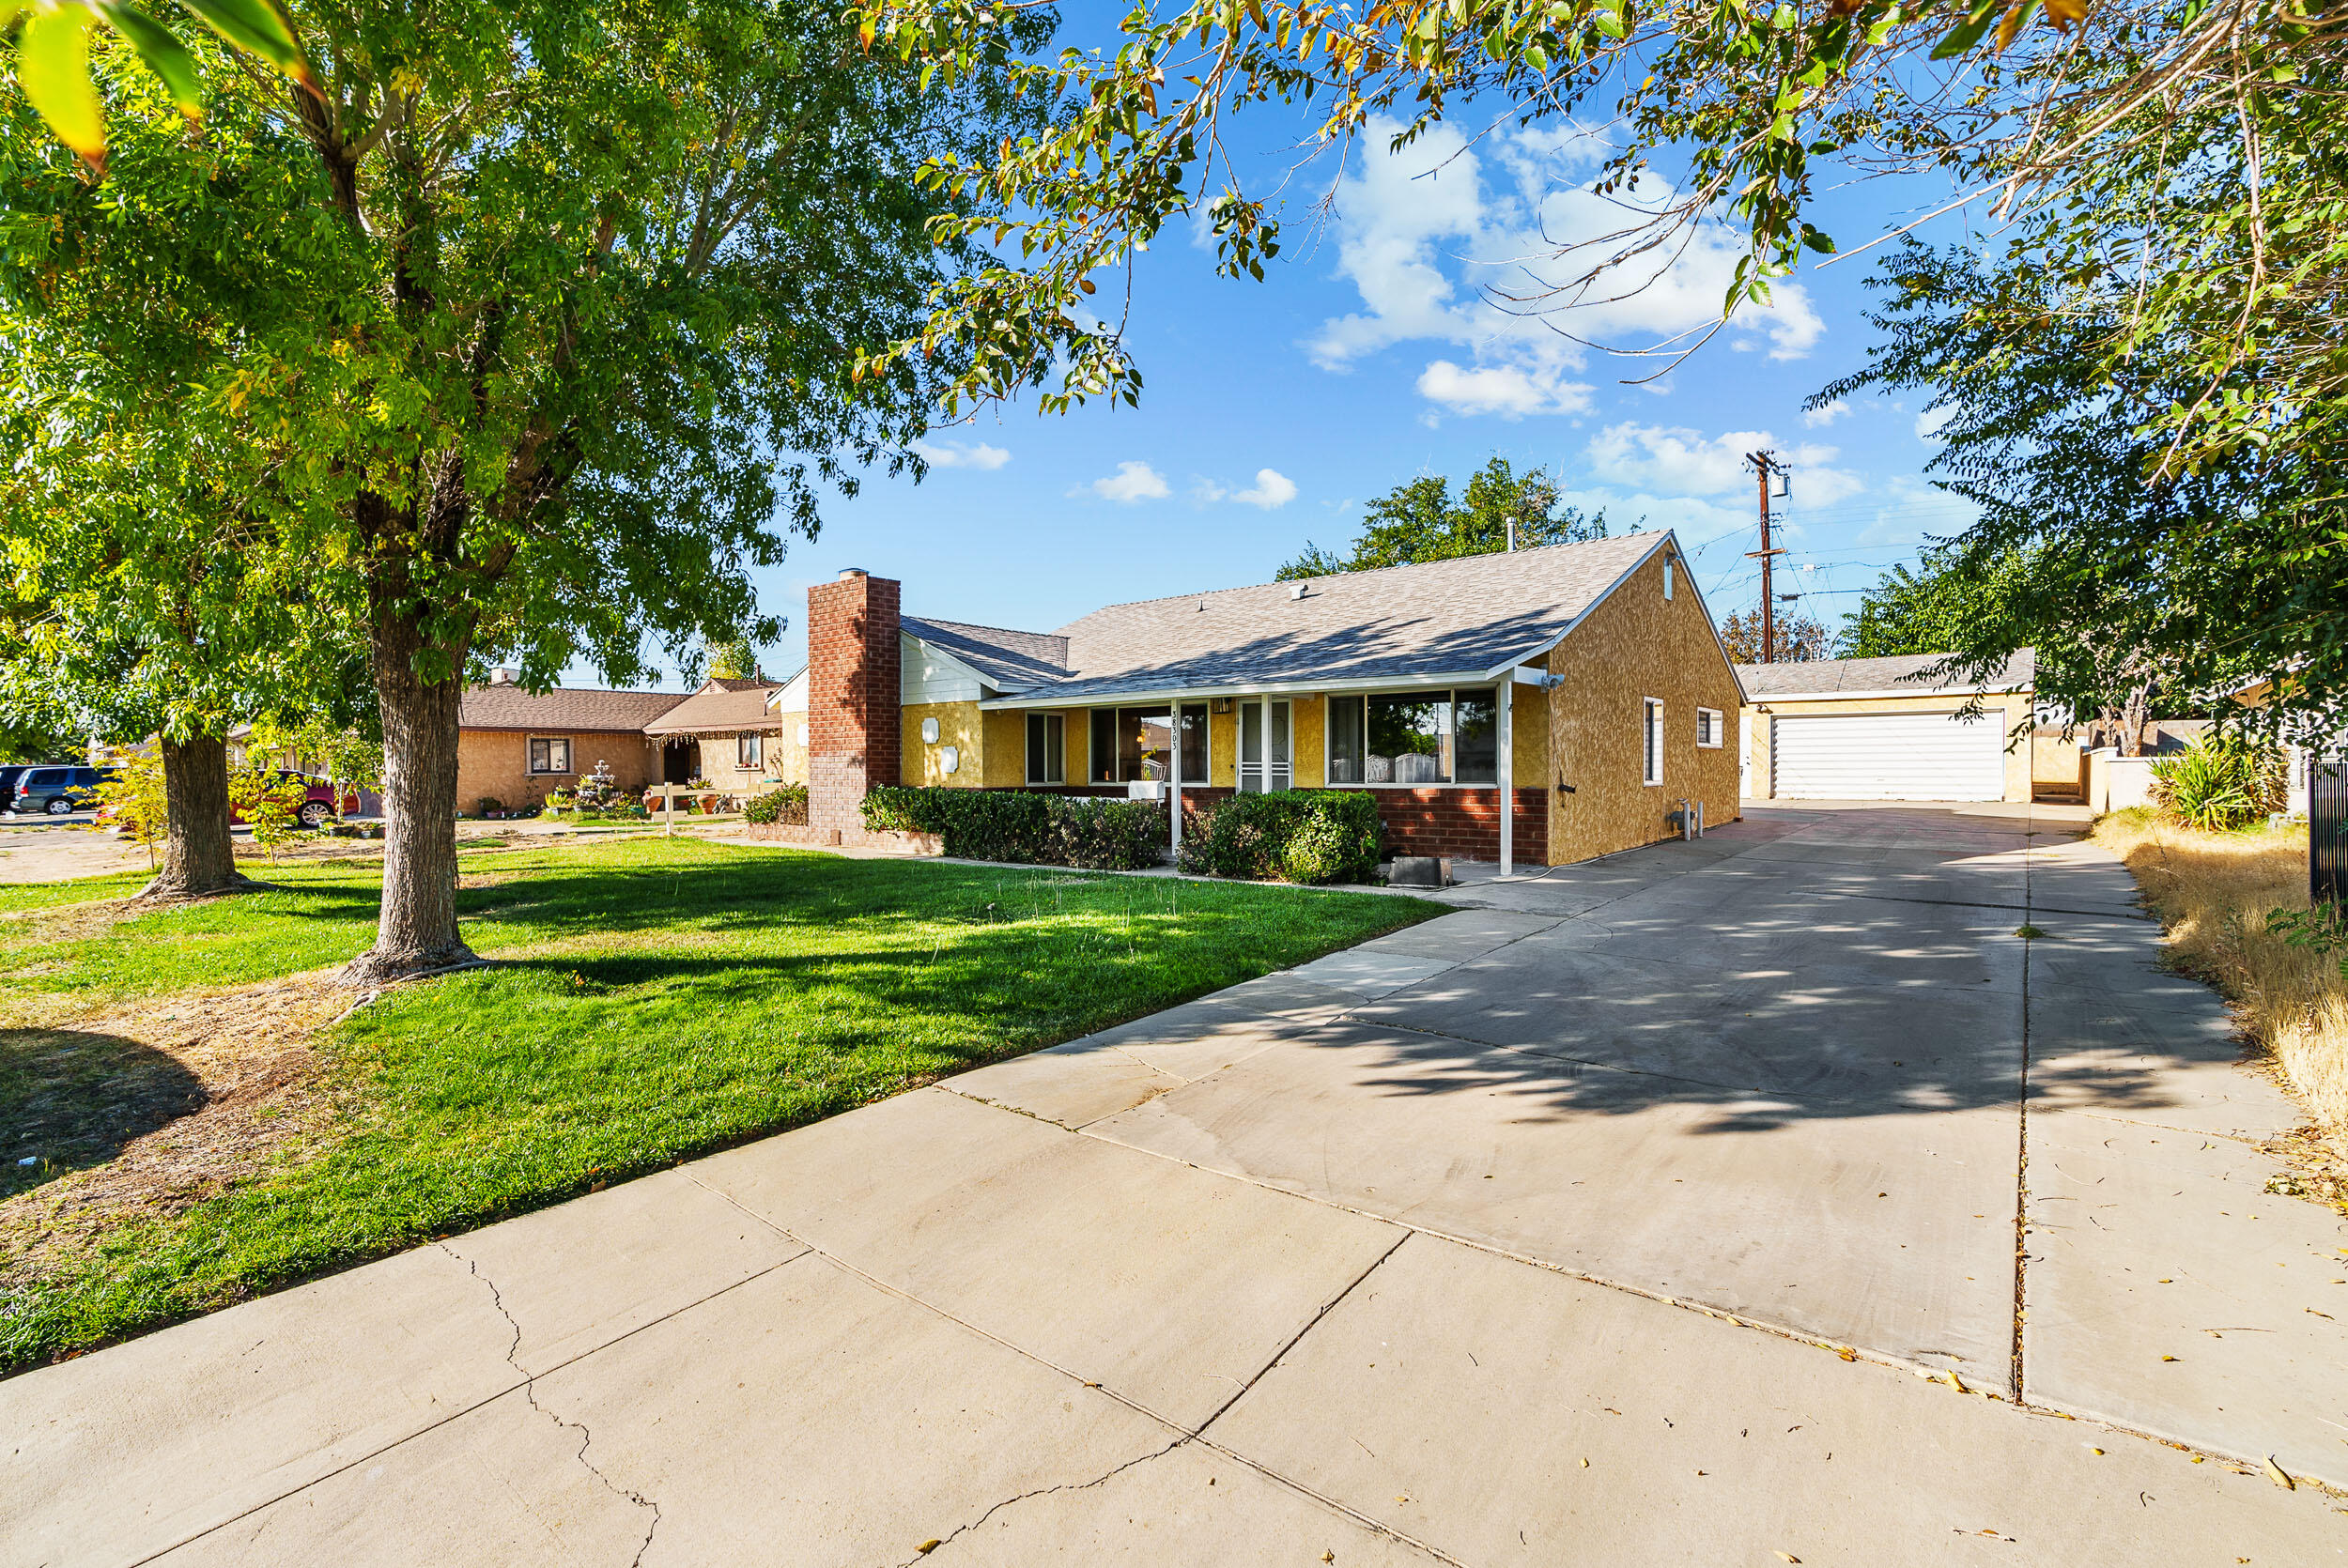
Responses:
[1311,836]
[1022,825]
[786,807]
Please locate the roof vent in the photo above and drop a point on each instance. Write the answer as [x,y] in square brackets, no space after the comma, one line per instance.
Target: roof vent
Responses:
[1298,590]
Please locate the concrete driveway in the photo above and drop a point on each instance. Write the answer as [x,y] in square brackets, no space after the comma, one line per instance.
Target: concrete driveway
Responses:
[1761,1200]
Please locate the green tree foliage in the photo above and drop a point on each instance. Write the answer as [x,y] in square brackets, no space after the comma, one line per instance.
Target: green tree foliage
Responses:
[134,800]
[733,658]
[1418,520]
[549,321]
[1926,610]
[2140,583]
[1799,638]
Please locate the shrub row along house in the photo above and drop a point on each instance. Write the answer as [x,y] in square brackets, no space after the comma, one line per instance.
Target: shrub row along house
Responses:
[1583,684]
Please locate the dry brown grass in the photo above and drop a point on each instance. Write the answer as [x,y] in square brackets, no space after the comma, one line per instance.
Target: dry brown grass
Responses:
[145,1108]
[2213,892]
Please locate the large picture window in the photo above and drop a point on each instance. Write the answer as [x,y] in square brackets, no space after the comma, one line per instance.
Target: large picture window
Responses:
[550,754]
[1130,743]
[1048,748]
[1416,737]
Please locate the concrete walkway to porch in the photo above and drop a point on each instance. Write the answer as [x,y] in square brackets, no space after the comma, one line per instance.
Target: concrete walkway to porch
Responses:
[1763,1199]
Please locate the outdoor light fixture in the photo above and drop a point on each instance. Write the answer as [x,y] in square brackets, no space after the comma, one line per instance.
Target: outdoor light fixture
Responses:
[929,731]
[949,760]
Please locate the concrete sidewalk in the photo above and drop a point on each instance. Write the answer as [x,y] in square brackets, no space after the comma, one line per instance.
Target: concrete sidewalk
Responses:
[1756,1200]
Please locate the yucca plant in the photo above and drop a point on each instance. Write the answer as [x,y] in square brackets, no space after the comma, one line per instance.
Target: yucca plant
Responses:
[2222,781]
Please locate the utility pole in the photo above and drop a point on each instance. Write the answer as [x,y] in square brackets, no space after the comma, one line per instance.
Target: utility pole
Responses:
[1765,463]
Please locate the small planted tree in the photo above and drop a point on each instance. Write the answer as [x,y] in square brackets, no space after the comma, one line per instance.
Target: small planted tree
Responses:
[135,800]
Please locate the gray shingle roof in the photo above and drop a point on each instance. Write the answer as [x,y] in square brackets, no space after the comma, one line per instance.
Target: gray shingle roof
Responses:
[1828,677]
[1010,659]
[721,707]
[509,707]
[1437,618]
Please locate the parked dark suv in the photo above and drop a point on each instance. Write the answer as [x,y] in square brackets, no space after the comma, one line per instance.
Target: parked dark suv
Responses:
[55,791]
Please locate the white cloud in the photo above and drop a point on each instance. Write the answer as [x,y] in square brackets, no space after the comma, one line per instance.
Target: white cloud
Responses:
[1453,244]
[1839,409]
[1272,489]
[1510,390]
[955,454]
[1928,424]
[1132,481]
[1674,460]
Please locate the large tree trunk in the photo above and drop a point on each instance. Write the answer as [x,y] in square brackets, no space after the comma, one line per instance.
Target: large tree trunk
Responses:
[199,855]
[418,933]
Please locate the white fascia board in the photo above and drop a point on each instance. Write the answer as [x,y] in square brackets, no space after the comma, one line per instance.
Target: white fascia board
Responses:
[1252,688]
[1880,696]
[1541,650]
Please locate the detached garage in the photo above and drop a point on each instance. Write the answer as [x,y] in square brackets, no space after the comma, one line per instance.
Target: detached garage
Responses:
[1882,729]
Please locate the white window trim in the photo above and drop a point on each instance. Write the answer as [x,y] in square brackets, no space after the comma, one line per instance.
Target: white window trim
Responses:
[1667,579]
[757,762]
[1328,752]
[1651,738]
[1709,723]
[1027,754]
[566,771]
[1182,758]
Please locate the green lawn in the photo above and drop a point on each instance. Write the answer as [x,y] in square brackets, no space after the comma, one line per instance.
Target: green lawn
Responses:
[654,999]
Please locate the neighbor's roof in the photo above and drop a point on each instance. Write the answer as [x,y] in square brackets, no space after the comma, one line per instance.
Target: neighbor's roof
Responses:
[1010,659]
[509,707]
[722,706]
[1463,617]
[1900,675]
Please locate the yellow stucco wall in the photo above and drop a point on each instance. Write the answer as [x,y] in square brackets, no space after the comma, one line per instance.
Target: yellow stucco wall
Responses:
[1004,743]
[1635,645]
[958,724]
[2006,711]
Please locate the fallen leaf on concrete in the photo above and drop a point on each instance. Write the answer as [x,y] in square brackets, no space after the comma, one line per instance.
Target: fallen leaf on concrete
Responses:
[1786,1557]
[1957,1383]
[1586,1464]
[2168,1357]
[2280,1476]
[928,1546]
[1848,1355]
[2092,1448]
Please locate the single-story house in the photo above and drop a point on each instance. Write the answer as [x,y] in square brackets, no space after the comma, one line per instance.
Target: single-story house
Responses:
[514,746]
[1583,684]
[743,735]
[1885,730]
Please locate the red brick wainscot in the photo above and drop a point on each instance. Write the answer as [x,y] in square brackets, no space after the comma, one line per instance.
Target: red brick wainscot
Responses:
[1463,823]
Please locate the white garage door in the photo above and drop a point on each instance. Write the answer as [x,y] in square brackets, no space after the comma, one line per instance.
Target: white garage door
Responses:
[1890,756]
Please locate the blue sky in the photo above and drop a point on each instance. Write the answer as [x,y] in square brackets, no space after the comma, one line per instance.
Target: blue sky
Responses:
[1371,354]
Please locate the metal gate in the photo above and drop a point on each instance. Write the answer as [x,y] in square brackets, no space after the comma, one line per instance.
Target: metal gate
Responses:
[2328,831]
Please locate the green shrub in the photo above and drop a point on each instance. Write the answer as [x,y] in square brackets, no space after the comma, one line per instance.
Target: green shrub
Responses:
[2223,780]
[786,807]
[1311,836]
[1025,826]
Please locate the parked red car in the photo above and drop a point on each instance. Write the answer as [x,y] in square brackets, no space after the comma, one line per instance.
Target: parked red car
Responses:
[318,800]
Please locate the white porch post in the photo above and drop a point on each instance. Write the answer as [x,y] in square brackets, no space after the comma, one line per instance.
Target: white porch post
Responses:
[1264,730]
[1174,788]
[1507,776]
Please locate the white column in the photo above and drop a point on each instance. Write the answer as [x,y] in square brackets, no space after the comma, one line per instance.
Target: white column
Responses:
[1507,776]
[1266,728]
[1174,788]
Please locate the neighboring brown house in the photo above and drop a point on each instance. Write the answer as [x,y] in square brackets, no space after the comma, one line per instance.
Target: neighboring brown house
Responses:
[733,734]
[512,747]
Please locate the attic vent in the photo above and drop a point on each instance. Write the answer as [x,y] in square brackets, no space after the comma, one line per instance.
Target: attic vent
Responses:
[1298,590]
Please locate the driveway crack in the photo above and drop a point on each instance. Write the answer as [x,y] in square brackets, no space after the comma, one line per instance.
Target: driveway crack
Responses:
[530,1392]
[928,1551]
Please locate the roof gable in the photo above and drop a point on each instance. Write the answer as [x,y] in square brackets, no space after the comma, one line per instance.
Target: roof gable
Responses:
[719,706]
[1000,655]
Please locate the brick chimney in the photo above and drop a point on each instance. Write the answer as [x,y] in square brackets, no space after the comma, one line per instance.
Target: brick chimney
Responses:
[853,724]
